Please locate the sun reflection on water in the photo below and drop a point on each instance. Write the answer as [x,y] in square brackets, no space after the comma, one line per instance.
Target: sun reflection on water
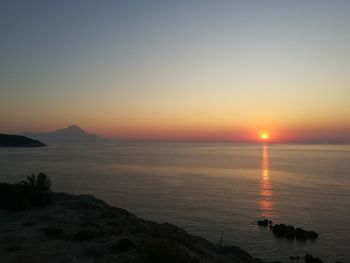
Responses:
[265,186]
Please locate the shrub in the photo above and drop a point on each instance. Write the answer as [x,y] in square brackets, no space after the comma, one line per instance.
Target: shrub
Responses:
[14,248]
[93,252]
[163,250]
[19,197]
[122,245]
[28,223]
[24,195]
[53,232]
[87,235]
[41,181]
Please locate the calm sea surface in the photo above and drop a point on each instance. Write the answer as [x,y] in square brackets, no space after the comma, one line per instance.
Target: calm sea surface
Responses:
[209,188]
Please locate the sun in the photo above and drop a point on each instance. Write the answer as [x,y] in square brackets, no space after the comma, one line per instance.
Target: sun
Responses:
[264,136]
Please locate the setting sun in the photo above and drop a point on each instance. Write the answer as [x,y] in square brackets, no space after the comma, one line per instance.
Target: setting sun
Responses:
[264,136]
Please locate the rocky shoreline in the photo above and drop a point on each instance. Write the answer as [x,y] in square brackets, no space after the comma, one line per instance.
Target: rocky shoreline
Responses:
[81,228]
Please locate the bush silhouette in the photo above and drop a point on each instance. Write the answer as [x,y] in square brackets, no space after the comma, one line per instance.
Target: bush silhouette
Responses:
[27,194]
[41,181]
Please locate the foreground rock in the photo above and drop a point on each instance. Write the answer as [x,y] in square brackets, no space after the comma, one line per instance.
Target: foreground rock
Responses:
[84,229]
[310,259]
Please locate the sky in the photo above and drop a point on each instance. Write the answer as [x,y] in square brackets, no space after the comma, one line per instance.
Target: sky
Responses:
[177,70]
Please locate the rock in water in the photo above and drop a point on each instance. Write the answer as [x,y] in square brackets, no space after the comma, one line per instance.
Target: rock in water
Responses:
[263,222]
[290,232]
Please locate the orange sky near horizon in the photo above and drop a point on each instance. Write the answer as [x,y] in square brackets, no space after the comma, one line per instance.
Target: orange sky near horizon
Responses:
[316,132]
[178,71]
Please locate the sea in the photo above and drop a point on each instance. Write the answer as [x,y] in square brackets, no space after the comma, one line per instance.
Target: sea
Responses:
[211,188]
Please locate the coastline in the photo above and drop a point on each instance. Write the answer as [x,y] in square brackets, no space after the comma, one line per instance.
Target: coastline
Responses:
[82,228]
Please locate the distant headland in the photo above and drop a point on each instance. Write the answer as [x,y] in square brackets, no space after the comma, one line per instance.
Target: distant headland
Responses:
[7,140]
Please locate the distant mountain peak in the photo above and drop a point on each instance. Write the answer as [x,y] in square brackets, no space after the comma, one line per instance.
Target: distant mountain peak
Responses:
[74,127]
[72,133]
